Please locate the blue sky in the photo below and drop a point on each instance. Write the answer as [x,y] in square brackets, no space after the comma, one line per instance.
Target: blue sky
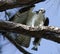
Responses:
[47,47]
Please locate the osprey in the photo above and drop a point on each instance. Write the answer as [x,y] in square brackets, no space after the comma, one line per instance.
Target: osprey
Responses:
[27,17]
[37,19]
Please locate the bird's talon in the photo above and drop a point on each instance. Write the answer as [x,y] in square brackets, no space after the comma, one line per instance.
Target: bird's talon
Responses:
[34,49]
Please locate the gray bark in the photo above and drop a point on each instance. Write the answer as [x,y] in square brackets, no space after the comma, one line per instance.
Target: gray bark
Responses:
[49,32]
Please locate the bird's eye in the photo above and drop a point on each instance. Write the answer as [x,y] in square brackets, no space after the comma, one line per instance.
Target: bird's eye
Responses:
[43,11]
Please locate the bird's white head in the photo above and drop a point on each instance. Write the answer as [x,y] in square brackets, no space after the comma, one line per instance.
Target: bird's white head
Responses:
[42,10]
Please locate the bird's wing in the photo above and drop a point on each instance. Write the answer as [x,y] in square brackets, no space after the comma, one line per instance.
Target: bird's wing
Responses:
[25,40]
[46,23]
[21,17]
[30,15]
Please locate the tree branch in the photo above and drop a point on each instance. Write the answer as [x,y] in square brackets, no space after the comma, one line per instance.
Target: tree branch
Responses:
[8,4]
[48,31]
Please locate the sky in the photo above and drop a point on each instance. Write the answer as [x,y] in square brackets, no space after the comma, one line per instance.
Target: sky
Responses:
[47,47]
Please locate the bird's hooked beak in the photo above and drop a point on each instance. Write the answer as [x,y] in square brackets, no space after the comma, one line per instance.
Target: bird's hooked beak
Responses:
[42,10]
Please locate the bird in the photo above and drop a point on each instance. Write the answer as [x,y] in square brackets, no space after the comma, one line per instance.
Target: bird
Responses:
[38,19]
[28,17]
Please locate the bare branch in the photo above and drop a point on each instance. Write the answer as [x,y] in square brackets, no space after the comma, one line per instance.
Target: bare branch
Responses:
[52,36]
[9,4]
[49,32]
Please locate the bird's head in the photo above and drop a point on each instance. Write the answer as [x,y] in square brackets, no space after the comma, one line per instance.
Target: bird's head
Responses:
[42,10]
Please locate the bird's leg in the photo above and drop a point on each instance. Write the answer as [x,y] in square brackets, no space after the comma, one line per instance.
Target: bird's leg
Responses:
[36,43]
[35,47]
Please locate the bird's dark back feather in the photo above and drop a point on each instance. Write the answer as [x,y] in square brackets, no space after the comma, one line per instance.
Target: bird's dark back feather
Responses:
[24,9]
[46,23]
